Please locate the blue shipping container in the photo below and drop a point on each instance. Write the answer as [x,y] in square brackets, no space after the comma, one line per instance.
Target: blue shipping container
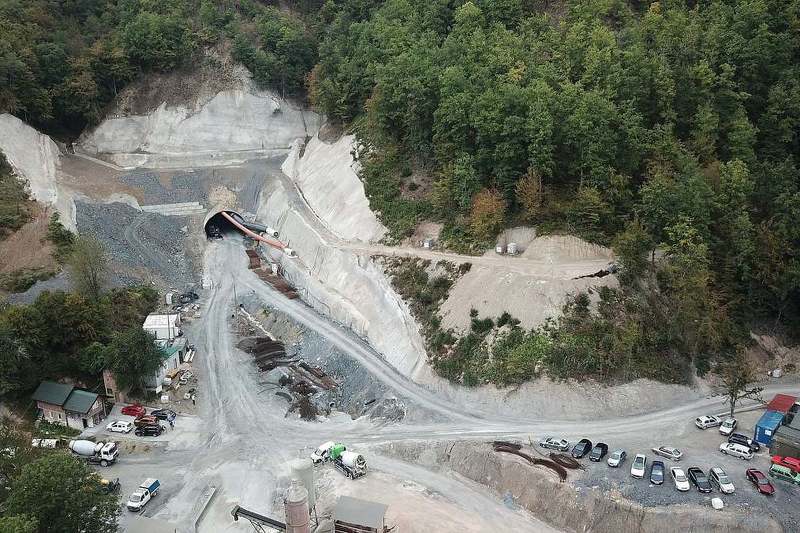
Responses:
[766,426]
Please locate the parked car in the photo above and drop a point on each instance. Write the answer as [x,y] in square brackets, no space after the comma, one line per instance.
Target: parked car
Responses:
[616,458]
[707,421]
[554,443]
[669,452]
[744,440]
[164,414]
[657,472]
[149,431]
[699,479]
[736,450]
[134,410]
[598,452]
[145,420]
[760,481]
[583,447]
[791,463]
[784,473]
[727,426]
[719,479]
[681,482]
[120,426]
[639,466]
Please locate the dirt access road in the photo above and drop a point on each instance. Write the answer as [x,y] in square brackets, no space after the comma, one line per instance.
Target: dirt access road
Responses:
[245,439]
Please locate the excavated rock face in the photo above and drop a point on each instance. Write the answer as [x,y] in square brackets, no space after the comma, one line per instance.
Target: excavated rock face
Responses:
[348,287]
[233,120]
[540,492]
[34,157]
[328,176]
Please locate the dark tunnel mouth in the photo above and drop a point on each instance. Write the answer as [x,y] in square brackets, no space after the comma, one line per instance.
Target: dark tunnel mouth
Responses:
[217,226]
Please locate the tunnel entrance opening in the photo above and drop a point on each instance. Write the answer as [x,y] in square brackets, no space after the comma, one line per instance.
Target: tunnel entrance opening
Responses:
[217,226]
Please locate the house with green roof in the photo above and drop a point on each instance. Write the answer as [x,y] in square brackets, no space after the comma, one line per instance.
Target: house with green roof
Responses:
[69,406]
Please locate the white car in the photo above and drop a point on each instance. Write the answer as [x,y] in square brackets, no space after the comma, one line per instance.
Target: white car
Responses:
[639,466]
[719,479]
[707,421]
[680,479]
[616,458]
[736,450]
[120,426]
[727,427]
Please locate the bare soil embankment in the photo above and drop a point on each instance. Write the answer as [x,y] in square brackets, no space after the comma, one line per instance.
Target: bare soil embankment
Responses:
[560,505]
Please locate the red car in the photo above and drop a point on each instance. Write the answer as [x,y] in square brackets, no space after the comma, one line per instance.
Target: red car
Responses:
[789,462]
[134,410]
[760,481]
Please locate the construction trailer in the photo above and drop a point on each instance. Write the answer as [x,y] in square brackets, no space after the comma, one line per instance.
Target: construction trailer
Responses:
[163,326]
[352,515]
[766,426]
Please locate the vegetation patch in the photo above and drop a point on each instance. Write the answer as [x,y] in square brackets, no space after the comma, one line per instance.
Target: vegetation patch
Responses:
[14,200]
[23,279]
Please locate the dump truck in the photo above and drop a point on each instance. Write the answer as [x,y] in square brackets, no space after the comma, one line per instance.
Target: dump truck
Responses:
[351,464]
[143,494]
[98,453]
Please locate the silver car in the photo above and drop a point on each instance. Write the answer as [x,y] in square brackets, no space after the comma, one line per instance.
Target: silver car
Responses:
[616,458]
[552,443]
[669,452]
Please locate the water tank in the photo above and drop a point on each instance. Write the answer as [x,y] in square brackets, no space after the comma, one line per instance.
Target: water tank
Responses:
[303,471]
[296,508]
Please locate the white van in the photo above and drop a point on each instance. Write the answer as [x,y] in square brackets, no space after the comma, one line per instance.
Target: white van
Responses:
[736,450]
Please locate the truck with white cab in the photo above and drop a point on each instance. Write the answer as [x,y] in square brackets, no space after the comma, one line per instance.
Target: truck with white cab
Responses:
[143,494]
[98,453]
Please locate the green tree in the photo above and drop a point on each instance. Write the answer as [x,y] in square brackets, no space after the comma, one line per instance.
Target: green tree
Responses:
[61,237]
[134,357]
[157,41]
[632,247]
[18,524]
[88,267]
[687,281]
[589,213]
[74,502]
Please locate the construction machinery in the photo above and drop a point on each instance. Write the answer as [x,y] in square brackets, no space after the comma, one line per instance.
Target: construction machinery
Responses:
[258,521]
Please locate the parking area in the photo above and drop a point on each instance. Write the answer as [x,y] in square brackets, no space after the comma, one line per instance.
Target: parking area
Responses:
[165,457]
[700,449]
[185,433]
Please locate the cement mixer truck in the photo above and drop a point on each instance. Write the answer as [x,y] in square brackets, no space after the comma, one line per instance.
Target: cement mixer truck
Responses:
[98,453]
[351,464]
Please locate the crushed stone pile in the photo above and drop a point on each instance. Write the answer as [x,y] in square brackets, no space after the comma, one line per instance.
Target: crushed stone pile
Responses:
[139,240]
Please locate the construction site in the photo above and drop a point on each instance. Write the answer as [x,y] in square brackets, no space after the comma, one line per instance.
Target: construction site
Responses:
[316,407]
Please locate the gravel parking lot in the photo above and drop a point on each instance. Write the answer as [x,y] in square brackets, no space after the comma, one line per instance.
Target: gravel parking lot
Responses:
[701,449]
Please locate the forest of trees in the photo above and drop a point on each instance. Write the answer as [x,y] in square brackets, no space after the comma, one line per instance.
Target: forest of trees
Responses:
[668,130]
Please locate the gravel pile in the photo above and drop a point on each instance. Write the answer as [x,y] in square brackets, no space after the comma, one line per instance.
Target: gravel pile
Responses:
[186,187]
[139,241]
